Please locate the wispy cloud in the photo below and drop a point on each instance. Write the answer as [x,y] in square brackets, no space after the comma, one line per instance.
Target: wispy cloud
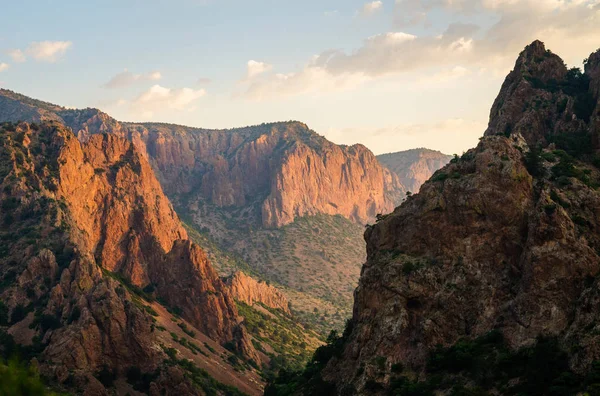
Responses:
[4,66]
[127,78]
[48,51]
[449,135]
[564,24]
[371,8]
[17,55]
[255,68]
[158,98]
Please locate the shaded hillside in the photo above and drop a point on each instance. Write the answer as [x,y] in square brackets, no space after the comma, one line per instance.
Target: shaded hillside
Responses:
[90,244]
[486,281]
[414,167]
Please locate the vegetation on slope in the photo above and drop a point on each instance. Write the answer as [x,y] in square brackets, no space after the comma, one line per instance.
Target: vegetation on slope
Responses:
[287,344]
[315,260]
[483,366]
[19,379]
[309,381]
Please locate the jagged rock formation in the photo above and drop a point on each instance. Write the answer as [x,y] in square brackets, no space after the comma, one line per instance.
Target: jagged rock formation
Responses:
[504,238]
[84,224]
[414,167]
[250,291]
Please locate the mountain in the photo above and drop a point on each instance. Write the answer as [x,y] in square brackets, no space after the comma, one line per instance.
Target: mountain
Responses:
[277,200]
[282,170]
[414,167]
[100,283]
[486,281]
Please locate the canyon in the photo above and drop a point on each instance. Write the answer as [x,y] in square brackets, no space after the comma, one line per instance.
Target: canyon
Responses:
[279,199]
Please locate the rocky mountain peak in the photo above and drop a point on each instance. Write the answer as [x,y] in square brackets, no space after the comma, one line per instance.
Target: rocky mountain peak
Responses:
[541,99]
[492,268]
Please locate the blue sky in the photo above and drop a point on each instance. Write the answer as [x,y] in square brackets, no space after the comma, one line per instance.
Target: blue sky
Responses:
[391,74]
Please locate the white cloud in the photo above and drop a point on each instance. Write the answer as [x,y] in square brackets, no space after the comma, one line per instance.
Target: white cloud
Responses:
[127,78]
[255,68]
[158,98]
[17,55]
[566,26]
[310,79]
[371,8]
[48,51]
[3,66]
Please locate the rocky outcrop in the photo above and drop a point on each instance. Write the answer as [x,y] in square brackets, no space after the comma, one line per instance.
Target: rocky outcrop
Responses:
[504,238]
[414,167]
[250,291]
[132,229]
[87,227]
[334,180]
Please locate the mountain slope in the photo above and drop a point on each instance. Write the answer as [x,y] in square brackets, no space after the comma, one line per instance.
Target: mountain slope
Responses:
[486,281]
[85,229]
[414,167]
[503,239]
[250,191]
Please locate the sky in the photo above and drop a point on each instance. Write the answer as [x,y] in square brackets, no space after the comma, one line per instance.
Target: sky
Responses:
[390,74]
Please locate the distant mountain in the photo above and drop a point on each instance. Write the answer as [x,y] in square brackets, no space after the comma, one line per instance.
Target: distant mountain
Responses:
[414,167]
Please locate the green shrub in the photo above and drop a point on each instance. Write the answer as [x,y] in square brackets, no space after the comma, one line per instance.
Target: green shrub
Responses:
[75,314]
[18,314]
[533,162]
[49,322]
[106,376]
[439,176]
[18,379]
[3,314]
[186,330]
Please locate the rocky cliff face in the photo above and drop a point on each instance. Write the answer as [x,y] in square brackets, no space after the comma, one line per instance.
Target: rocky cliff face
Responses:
[250,291]
[334,180]
[414,167]
[83,226]
[504,239]
[284,169]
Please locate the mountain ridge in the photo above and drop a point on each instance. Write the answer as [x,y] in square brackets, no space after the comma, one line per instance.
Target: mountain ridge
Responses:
[415,166]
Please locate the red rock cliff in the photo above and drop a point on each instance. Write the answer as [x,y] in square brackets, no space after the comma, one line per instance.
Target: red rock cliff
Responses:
[250,291]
